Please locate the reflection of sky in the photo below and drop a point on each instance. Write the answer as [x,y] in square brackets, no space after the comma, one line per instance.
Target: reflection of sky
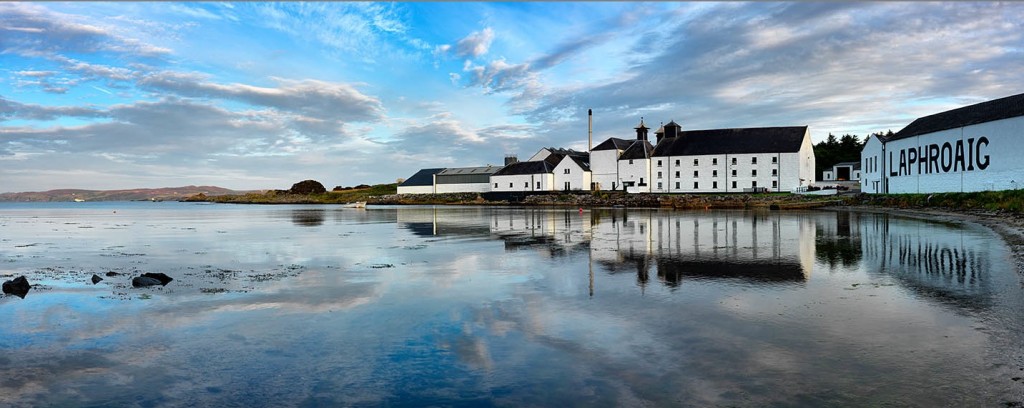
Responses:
[374,312]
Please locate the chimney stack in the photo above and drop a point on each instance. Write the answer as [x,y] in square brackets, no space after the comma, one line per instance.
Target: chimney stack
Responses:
[590,129]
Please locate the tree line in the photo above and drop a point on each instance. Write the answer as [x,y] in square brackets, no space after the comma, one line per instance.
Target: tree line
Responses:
[845,148]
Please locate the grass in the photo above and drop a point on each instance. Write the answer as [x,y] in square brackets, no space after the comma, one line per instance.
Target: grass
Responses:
[1006,200]
[330,197]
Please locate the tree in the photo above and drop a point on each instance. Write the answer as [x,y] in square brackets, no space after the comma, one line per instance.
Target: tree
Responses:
[836,150]
[308,187]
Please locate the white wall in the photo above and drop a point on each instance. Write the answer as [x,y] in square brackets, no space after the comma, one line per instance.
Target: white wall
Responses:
[871,166]
[980,157]
[415,190]
[604,168]
[634,172]
[568,171]
[523,182]
[464,188]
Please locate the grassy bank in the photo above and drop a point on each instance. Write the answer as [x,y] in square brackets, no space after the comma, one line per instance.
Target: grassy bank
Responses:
[1011,201]
[277,197]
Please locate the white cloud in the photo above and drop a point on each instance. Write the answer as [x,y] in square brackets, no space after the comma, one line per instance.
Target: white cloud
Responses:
[475,44]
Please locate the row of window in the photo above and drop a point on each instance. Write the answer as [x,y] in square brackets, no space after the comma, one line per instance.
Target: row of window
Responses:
[525,185]
[714,173]
[714,161]
[714,185]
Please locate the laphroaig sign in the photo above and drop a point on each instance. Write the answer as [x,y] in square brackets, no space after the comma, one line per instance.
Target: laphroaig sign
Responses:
[962,155]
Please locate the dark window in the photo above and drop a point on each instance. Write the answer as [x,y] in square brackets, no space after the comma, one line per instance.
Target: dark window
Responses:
[714,173]
[677,174]
[694,185]
[714,185]
[753,184]
[659,174]
[753,160]
[734,160]
[630,161]
[538,185]
[509,185]
[734,172]
[775,172]
[775,159]
[775,184]
[677,162]
[694,162]
[714,161]
[495,185]
[677,185]
[659,163]
[734,184]
[526,184]
[695,174]
[753,172]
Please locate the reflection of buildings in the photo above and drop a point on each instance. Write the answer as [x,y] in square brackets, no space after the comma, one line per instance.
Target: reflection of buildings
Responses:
[672,245]
[940,261]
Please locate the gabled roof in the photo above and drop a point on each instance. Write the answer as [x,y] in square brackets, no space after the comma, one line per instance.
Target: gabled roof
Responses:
[732,141]
[566,152]
[468,170]
[528,167]
[613,143]
[584,163]
[639,149]
[424,177]
[996,109]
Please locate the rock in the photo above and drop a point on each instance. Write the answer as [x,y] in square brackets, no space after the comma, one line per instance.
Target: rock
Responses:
[142,281]
[18,287]
[308,187]
[112,273]
[96,279]
[150,279]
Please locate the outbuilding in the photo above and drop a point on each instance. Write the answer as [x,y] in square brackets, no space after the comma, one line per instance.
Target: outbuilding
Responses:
[420,183]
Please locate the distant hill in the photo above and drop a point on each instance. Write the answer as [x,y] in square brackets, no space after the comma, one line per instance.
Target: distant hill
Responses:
[138,194]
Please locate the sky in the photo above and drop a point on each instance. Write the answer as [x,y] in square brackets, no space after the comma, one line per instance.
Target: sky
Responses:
[255,95]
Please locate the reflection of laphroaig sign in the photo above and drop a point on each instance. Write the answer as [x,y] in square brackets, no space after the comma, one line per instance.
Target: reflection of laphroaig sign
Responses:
[944,158]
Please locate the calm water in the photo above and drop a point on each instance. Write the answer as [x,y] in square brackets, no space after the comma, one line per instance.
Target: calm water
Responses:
[424,306]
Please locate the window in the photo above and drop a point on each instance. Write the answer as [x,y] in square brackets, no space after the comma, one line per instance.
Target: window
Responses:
[775,159]
[695,175]
[659,174]
[734,172]
[659,185]
[526,184]
[659,163]
[495,185]
[566,171]
[714,185]
[538,185]
[677,162]
[753,184]
[714,173]
[509,185]
[677,174]
[630,161]
[694,162]
[677,185]
[775,184]
[694,185]
[734,161]
[753,160]
[775,172]
[714,161]
[753,173]
[734,184]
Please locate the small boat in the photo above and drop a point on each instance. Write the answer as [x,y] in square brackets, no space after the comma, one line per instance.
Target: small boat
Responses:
[357,204]
[79,200]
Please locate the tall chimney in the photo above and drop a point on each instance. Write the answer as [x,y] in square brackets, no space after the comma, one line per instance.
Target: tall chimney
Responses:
[590,129]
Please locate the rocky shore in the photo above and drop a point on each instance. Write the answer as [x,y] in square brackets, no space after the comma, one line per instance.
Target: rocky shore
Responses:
[680,201]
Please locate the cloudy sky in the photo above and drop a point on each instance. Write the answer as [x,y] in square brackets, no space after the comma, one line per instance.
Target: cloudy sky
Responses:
[262,95]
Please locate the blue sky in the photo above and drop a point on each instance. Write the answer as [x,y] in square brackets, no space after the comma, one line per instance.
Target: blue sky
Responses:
[262,95]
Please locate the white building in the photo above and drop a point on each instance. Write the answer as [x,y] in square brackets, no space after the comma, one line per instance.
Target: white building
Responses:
[973,148]
[710,161]
[572,174]
[527,176]
[420,183]
[604,163]
[464,179]
[845,171]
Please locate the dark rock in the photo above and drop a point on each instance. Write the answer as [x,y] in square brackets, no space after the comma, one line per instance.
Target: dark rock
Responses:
[96,279]
[18,287]
[150,279]
[112,273]
[308,187]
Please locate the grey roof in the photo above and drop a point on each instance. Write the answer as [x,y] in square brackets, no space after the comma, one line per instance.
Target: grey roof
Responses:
[468,170]
[854,164]
[639,149]
[529,167]
[996,109]
[732,141]
[614,143]
[584,163]
[566,152]
[424,177]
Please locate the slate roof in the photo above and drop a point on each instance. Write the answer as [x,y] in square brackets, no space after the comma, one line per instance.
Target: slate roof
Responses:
[613,143]
[639,149]
[468,170]
[566,152]
[996,109]
[424,177]
[733,141]
[539,167]
[584,163]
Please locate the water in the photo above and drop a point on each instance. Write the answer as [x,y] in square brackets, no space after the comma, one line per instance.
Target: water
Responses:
[440,306]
